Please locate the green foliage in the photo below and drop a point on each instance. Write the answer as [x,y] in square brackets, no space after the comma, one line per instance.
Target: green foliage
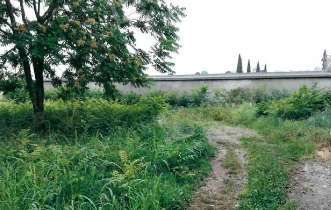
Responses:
[109,156]
[94,40]
[129,99]
[249,66]
[196,98]
[19,95]
[258,68]
[239,96]
[301,105]
[89,116]
[7,86]
[239,65]
[321,119]
[132,169]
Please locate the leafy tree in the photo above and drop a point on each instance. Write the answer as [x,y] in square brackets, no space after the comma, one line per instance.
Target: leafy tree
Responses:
[239,65]
[249,66]
[92,40]
[258,69]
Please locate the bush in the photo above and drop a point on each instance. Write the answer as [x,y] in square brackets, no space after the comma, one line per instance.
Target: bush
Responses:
[82,116]
[301,105]
[68,93]
[321,119]
[129,99]
[19,95]
[195,99]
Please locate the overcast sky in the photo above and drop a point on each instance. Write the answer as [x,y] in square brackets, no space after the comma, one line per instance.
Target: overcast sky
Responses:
[285,34]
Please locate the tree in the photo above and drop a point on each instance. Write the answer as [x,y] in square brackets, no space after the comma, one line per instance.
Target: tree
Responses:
[265,68]
[204,72]
[325,61]
[95,40]
[258,69]
[249,66]
[239,65]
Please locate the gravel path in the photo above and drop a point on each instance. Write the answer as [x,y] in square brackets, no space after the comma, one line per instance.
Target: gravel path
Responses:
[222,188]
[310,186]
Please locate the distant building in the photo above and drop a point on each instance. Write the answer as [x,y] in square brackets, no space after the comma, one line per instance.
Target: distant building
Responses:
[326,62]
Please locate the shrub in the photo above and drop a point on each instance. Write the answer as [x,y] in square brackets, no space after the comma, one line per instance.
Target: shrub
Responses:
[321,119]
[129,99]
[302,104]
[19,95]
[239,96]
[200,96]
[82,116]
[196,98]
[262,108]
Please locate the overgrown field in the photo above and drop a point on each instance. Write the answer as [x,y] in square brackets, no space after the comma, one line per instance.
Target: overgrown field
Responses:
[152,152]
[291,128]
[99,155]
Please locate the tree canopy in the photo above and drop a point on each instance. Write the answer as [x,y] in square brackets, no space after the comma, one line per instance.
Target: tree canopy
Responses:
[258,68]
[239,65]
[249,66]
[91,40]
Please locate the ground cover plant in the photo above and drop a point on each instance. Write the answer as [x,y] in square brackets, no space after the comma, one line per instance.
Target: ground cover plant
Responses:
[99,155]
[143,153]
[283,142]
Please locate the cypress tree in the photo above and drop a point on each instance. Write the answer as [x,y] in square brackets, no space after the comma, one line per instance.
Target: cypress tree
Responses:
[258,69]
[240,65]
[265,68]
[325,61]
[249,66]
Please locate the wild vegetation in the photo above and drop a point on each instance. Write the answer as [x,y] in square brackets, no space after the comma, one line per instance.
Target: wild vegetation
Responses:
[152,152]
[90,40]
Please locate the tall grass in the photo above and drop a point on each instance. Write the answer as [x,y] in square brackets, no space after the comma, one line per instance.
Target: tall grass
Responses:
[116,157]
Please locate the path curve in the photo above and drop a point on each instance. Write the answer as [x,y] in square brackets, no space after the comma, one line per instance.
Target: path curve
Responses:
[222,188]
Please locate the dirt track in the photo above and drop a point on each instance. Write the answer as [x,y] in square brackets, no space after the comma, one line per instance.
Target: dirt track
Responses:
[310,186]
[222,187]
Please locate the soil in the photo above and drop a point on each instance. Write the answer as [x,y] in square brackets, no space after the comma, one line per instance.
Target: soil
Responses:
[310,187]
[222,188]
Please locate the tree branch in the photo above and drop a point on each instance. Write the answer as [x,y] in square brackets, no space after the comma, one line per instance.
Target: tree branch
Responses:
[48,14]
[4,32]
[36,11]
[23,13]
[10,12]
[4,21]
[39,7]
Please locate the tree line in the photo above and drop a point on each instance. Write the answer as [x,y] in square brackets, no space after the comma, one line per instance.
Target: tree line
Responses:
[249,70]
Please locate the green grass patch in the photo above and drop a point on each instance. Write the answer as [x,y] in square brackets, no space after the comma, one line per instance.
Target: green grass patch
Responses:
[109,156]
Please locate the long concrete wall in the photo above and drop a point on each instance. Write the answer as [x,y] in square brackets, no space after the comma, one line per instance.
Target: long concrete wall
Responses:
[290,81]
[268,81]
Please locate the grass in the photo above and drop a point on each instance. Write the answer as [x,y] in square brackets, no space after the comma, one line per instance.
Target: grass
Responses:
[147,166]
[139,154]
[273,155]
[232,163]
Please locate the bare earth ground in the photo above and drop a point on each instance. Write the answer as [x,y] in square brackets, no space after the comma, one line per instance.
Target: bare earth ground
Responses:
[222,187]
[310,187]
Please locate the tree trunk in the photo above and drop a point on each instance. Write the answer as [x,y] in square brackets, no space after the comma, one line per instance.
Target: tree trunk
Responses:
[39,117]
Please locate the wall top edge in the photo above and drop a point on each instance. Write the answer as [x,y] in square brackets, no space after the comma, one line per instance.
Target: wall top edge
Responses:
[243,76]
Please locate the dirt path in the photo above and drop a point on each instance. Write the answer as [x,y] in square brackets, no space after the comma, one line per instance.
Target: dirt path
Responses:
[223,186]
[310,186]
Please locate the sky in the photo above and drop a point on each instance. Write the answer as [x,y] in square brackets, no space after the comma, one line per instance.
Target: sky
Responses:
[287,35]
